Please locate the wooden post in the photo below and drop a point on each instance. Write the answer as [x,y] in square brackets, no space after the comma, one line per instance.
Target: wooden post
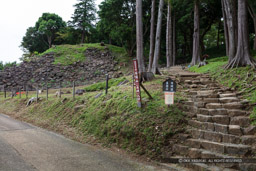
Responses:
[12,92]
[74,90]
[107,77]
[37,94]
[133,86]
[142,86]
[20,92]
[4,92]
[26,91]
[60,90]
[47,93]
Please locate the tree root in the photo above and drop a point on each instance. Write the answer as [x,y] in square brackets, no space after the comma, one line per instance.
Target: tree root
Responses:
[236,62]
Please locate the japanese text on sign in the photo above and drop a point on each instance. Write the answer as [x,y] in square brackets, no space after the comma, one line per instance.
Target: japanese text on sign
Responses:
[137,82]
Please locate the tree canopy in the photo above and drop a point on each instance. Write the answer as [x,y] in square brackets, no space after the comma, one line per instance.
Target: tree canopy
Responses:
[83,17]
[116,24]
[48,25]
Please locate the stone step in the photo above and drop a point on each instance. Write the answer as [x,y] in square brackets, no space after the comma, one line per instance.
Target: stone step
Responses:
[248,139]
[188,81]
[236,112]
[194,153]
[184,165]
[227,95]
[207,96]
[241,121]
[234,105]
[185,78]
[205,167]
[192,92]
[199,104]
[212,112]
[189,103]
[190,114]
[188,108]
[205,93]
[225,129]
[213,105]
[250,130]
[228,99]
[220,137]
[204,118]
[205,154]
[222,148]
[210,100]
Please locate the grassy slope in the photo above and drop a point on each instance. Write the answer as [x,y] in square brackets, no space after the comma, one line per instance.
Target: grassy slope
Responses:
[112,118]
[68,54]
[242,79]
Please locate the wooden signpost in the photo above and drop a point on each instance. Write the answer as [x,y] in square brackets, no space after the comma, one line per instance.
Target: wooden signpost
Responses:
[169,88]
[137,81]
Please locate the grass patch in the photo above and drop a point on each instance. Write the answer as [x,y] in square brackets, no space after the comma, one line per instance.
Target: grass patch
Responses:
[102,85]
[113,118]
[68,54]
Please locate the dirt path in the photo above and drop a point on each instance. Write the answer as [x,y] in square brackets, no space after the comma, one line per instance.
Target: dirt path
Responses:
[26,147]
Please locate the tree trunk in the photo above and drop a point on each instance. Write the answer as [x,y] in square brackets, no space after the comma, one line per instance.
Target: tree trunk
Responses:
[196,41]
[202,45]
[169,37]
[152,35]
[254,21]
[139,36]
[225,25]
[242,57]
[174,41]
[158,38]
[253,15]
[49,39]
[83,35]
[218,36]
[231,27]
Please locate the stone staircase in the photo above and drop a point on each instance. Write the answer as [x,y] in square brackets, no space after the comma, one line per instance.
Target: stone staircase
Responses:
[219,125]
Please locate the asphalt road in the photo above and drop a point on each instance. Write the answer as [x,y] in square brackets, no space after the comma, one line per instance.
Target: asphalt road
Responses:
[24,147]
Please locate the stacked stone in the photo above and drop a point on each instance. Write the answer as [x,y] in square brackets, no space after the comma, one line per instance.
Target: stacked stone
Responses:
[219,126]
[41,70]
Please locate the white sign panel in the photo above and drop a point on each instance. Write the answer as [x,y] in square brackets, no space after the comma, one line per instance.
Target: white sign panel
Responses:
[169,98]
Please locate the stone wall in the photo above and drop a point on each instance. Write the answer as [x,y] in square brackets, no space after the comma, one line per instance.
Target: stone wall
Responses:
[98,63]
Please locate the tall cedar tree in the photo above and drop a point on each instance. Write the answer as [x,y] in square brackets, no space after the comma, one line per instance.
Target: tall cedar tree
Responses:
[158,38]
[152,35]
[242,57]
[84,16]
[252,10]
[230,26]
[169,45]
[196,41]
[139,36]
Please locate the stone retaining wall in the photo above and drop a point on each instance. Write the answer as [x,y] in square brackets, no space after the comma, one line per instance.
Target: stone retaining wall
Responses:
[41,70]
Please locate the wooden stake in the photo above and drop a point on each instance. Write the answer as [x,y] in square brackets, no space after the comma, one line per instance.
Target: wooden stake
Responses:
[26,91]
[47,93]
[107,77]
[74,90]
[4,92]
[37,94]
[20,92]
[133,86]
[60,91]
